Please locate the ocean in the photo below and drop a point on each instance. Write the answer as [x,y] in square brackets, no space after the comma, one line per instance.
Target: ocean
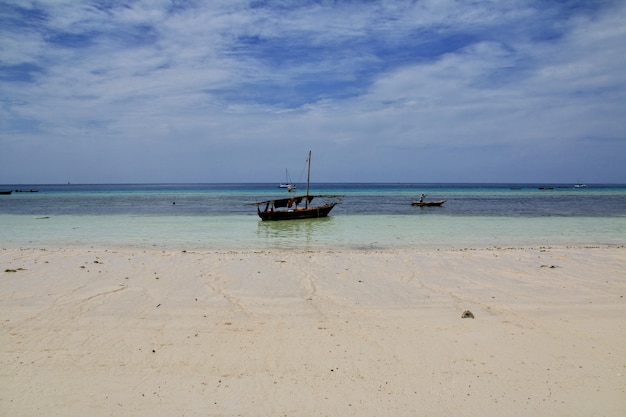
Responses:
[369,217]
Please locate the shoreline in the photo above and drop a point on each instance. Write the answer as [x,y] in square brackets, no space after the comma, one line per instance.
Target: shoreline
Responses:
[314,332]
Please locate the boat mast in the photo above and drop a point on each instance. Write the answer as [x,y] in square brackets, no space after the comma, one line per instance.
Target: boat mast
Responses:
[308,179]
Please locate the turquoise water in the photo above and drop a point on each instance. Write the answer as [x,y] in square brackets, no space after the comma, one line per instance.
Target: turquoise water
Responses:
[371,216]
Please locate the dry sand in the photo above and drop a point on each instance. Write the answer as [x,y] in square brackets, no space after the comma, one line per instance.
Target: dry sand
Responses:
[137,333]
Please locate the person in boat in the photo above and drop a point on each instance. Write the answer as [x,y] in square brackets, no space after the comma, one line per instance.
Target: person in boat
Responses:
[422,197]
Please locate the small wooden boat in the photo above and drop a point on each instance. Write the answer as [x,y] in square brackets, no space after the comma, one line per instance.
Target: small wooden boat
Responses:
[5,192]
[428,203]
[289,208]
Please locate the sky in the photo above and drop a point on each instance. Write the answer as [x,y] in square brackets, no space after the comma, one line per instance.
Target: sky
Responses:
[423,91]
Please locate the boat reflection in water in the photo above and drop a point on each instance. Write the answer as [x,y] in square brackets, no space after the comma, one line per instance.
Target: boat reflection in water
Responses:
[306,233]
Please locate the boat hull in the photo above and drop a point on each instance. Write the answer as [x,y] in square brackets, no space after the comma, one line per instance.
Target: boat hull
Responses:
[428,203]
[297,214]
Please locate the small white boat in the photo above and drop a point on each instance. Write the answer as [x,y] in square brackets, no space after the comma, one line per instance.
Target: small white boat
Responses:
[290,186]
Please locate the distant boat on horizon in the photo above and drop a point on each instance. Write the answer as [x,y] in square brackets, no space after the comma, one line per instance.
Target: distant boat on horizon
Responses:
[289,185]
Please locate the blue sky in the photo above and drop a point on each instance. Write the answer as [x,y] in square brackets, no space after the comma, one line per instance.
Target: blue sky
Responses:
[382,91]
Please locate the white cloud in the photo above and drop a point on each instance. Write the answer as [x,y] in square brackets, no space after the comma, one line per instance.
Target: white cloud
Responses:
[378,83]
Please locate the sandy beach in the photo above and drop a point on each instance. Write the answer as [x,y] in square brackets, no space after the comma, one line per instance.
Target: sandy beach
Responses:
[128,332]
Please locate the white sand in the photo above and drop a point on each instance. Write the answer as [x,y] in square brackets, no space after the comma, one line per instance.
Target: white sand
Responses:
[134,333]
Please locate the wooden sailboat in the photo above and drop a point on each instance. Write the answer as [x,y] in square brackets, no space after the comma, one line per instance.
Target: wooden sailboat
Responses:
[291,209]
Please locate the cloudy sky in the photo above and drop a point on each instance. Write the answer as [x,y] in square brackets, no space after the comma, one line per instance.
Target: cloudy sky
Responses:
[381,91]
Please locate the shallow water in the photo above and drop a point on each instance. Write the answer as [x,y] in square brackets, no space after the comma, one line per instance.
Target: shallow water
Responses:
[371,216]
